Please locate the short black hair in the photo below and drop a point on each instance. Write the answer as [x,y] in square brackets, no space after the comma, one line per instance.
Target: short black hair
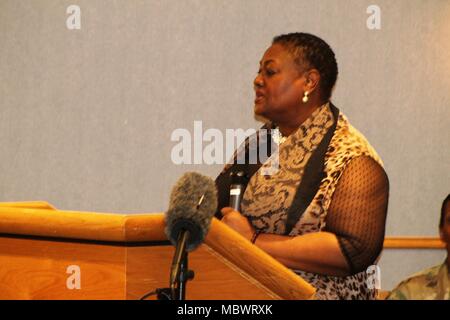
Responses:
[444,204]
[317,53]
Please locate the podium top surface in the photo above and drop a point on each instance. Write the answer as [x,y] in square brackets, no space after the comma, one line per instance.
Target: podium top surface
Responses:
[38,218]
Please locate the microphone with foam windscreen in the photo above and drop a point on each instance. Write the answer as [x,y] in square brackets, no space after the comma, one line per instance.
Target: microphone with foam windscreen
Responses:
[193,202]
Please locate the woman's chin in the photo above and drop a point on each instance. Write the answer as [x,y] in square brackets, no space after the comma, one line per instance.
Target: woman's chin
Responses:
[260,114]
[259,109]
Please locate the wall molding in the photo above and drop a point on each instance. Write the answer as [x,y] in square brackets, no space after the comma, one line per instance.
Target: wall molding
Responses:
[412,242]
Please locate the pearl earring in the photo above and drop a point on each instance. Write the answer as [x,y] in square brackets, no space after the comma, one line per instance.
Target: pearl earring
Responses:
[305,97]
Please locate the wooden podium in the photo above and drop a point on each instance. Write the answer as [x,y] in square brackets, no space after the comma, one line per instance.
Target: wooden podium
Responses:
[46,253]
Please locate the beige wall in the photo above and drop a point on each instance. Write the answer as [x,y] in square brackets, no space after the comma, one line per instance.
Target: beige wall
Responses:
[86,115]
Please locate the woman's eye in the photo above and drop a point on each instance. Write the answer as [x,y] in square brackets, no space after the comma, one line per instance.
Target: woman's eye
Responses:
[267,72]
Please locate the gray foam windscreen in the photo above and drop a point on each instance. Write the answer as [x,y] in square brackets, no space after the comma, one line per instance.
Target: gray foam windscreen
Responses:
[184,211]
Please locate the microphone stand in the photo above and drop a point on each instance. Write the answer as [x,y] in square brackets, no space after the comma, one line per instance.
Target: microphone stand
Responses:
[179,272]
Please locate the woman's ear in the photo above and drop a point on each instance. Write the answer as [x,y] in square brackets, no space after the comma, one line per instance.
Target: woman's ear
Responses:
[312,80]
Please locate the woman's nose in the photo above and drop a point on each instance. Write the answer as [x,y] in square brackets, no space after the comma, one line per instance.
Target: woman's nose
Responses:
[258,82]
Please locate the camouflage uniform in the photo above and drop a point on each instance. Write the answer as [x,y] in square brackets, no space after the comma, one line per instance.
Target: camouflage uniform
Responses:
[429,284]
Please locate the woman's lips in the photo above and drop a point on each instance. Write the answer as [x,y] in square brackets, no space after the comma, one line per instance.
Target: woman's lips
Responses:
[258,97]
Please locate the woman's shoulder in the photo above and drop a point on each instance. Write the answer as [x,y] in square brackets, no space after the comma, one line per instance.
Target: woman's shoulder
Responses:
[349,143]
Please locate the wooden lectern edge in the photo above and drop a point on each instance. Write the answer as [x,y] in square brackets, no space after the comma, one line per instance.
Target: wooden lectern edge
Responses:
[76,225]
[29,204]
[256,263]
[144,227]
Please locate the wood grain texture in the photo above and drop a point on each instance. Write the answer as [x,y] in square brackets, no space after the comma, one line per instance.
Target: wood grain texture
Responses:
[148,269]
[37,269]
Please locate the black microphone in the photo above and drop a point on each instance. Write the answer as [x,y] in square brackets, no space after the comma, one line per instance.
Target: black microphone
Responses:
[193,202]
[239,181]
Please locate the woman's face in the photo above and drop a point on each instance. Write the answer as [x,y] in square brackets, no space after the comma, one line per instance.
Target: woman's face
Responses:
[278,85]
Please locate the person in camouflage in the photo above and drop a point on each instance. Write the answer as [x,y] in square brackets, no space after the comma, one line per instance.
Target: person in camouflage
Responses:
[432,283]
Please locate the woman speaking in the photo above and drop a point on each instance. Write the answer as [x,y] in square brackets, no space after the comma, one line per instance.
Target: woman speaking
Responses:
[323,212]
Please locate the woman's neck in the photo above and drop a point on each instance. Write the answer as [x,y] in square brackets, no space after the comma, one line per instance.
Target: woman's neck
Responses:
[292,123]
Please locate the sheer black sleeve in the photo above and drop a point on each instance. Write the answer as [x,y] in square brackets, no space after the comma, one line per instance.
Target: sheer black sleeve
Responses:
[357,213]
